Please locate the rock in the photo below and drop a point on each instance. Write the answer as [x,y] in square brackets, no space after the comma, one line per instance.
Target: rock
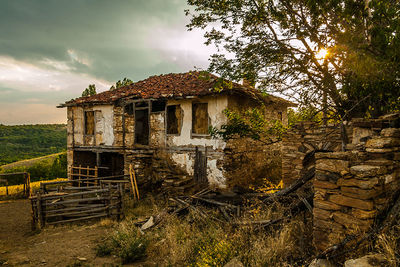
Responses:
[351,222]
[359,193]
[367,261]
[367,170]
[363,184]
[321,214]
[382,142]
[234,263]
[326,205]
[148,224]
[321,263]
[332,165]
[363,214]
[351,202]
[324,184]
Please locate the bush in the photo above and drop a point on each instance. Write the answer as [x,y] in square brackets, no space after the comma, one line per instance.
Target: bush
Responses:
[127,242]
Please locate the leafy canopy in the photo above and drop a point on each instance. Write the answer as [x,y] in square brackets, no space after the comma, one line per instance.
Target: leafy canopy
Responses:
[344,51]
[91,90]
[122,83]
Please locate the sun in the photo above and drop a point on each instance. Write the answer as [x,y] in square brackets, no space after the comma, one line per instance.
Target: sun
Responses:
[322,54]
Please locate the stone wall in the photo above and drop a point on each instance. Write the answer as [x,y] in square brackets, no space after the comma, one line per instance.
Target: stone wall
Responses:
[353,187]
[247,162]
[302,139]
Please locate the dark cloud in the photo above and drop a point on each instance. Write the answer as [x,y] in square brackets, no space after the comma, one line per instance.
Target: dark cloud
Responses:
[98,40]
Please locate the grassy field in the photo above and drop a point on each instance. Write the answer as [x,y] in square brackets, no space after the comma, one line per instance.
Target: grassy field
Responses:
[30,162]
[18,189]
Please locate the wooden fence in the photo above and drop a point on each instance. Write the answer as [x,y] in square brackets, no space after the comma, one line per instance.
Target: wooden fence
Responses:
[26,186]
[82,174]
[62,202]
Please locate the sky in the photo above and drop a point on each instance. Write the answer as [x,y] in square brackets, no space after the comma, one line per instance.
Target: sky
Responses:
[51,50]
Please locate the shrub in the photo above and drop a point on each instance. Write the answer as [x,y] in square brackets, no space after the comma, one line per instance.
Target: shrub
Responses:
[127,242]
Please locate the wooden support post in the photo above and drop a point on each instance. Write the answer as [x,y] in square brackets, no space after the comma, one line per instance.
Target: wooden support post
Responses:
[79,175]
[29,184]
[96,174]
[40,211]
[7,188]
[87,175]
[132,184]
[136,187]
[24,185]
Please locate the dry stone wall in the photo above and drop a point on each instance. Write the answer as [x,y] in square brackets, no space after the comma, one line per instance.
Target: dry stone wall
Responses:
[353,187]
[302,139]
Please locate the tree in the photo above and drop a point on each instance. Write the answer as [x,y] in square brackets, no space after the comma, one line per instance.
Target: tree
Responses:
[341,55]
[91,90]
[120,84]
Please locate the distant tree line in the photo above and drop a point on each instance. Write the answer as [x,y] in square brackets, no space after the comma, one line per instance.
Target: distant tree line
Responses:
[29,141]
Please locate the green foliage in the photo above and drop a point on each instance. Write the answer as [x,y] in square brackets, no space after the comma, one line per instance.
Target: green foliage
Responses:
[275,43]
[304,114]
[129,244]
[122,83]
[251,123]
[91,90]
[43,170]
[30,141]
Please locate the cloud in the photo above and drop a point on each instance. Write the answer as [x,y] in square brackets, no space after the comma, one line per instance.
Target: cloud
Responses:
[79,57]
[186,49]
[28,77]
[31,113]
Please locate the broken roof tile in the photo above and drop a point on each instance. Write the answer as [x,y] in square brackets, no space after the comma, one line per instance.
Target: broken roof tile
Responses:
[172,85]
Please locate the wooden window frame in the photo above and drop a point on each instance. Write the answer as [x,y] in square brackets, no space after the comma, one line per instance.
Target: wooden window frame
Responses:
[193,134]
[166,120]
[85,123]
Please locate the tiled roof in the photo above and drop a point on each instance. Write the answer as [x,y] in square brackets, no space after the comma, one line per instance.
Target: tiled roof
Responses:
[174,85]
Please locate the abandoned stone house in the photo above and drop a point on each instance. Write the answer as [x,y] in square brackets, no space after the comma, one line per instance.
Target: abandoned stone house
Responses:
[159,122]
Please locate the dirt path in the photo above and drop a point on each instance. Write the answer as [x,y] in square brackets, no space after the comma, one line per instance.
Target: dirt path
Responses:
[53,246]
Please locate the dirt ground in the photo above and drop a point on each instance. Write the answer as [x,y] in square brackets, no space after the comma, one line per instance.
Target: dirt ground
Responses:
[68,245]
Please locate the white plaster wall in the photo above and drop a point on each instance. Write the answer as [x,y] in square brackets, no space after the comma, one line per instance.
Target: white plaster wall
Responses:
[215,107]
[214,174]
[104,124]
[78,125]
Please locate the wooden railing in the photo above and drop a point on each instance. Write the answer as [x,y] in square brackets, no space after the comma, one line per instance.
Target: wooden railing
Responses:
[26,184]
[70,203]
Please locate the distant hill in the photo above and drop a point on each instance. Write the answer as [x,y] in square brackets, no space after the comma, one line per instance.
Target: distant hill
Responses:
[26,163]
[21,142]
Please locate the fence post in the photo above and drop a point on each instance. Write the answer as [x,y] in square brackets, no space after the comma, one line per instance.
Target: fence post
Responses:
[40,211]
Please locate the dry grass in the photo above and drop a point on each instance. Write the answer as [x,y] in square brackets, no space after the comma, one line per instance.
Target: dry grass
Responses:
[388,244]
[192,240]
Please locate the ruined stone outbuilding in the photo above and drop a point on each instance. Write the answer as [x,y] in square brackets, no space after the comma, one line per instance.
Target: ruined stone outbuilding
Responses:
[157,124]
[355,181]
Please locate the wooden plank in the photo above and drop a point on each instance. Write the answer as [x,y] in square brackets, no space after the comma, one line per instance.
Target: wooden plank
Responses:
[88,206]
[76,201]
[77,212]
[46,197]
[80,219]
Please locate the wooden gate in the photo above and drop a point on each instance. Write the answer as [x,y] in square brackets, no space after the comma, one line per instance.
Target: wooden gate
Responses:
[200,166]
[69,203]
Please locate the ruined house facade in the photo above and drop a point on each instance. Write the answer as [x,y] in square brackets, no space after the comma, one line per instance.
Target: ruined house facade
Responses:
[158,122]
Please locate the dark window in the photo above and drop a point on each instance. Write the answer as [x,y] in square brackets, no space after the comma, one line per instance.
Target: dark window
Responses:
[142,104]
[157,106]
[174,119]
[200,118]
[280,115]
[142,126]
[89,122]
[129,109]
